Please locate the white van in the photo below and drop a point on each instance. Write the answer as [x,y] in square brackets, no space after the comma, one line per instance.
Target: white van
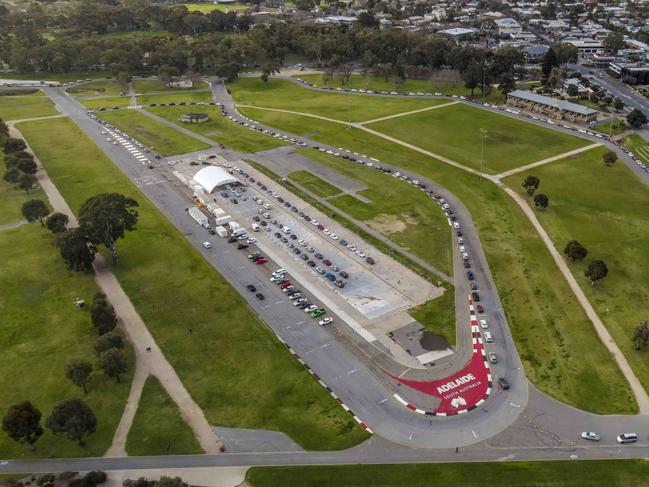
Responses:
[286,230]
[456,225]
[627,438]
[255,227]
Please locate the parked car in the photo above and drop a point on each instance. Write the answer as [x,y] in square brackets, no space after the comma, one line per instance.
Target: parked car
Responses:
[503,383]
[627,438]
[260,296]
[590,435]
[325,321]
[493,358]
[251,288]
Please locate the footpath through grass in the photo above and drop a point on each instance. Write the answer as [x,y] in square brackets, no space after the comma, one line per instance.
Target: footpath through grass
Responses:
[158,427]
[285,95]
[15,107]
[602,473]
[161,138]
[42,330]
[220,129]
[556,341]
[107,87]
[605,209]
[454,132]
[231,363]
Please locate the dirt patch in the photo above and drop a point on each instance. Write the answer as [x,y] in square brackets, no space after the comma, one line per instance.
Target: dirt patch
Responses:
[385,223]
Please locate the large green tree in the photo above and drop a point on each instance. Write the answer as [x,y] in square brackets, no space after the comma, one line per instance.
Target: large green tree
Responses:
[73,418]
[531,184]
[113,363]
[541,201]
[106,218]
[596,271]
[76,250]
[79,372]
[22,423]
[102,314]
[575,251]
[636,118]
[57,222]
[35,210]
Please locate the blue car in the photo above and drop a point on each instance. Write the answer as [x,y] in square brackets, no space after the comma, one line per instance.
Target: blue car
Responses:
[469,275]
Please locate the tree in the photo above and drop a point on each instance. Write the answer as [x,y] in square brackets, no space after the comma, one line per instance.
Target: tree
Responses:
[22,423]
[28,166]
[14,145]
[575,251]
[572,90]
[555,80]
[113,363]
[609,157]
[618,104]
[596,270]
[541,201]
[73,418]
[472,77]
[57,222]
[108,341]
[548,63]
[531,184]
[102,314]
[26,182]
[91,479]
[636,118]
[35,210]
[170,482]
[123,79]
[12,175]
[268,70]
[106,217]
[77,251]
[79,373]
[507,84]
[641,335]
[613,42]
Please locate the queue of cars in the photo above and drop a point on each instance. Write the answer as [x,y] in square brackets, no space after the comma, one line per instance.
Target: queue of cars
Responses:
[622,438]
[280,278]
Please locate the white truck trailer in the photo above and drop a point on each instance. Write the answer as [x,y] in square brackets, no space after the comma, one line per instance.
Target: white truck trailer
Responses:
[199,217]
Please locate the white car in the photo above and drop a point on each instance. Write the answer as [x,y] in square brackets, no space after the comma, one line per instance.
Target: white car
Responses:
[207,245]
[308,309]
[327,231]
[590,435]
[484,324]
[462,249]
[487,337]
[325,321]
[334,236]
[493,358]
[315,222]
[251,240]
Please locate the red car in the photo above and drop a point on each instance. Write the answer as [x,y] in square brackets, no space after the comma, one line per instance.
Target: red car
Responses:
[285,284]
[320,227]
[369,260]
[479,308]
[261,261]
[326,262]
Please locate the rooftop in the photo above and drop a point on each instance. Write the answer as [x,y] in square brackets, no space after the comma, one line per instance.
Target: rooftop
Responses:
[546,100]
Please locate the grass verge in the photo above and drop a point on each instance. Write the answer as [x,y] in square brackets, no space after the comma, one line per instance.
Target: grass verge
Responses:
[15,107]
[603,473]
[314,184]
[561,354]
[604,209]
[220,129]
[204,96]
[161,138]
[437,315]
[158,427]
[174,289]
[105,102]
[42,331]
[107,87]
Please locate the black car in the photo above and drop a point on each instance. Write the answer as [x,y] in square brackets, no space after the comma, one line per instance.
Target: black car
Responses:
[297,251]
[293,237]
[475,296]
[225,195]
[503,383]
[211,231]
[278,235]
[343,274]
[294,209]
[458,233]
[467,264]
[284,239]
[287,204]
[251,288]
[311,263]
[263,223]
[304,257]
[260,296]
[318,256]
[256,218]
[264,187]
[303,305]
[234,201]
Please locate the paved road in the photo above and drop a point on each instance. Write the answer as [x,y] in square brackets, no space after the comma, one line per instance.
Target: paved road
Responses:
[615,87]
[343,371]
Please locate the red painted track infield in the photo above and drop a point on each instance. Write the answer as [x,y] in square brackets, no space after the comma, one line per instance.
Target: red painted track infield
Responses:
[461,392]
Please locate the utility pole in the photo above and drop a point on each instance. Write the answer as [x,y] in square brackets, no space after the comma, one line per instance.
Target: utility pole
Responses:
[483,136]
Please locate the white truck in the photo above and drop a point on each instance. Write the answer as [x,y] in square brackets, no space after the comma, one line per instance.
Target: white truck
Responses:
[199,217]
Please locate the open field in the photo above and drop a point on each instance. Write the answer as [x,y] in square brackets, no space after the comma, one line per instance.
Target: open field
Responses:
[146,86]
[220,129]
[26,106]
[36,285]
[603,208]
[152,133]
[379,83]
[158,427]
[213,361]
[62,77]
[282,94]
[107,87]
[105,102]
[615,128]
[556,341]
[438,316]
[396,209]
[604,473]
[454,132]
[175,97]
[314,184]
[208,7]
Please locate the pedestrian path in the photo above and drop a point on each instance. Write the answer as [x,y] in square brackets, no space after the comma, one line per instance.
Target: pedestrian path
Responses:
[546,161]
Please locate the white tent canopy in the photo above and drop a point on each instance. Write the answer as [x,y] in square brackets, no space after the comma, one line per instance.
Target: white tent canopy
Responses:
[211,177]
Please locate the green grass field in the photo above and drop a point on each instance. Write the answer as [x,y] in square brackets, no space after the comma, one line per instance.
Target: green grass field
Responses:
[158,427]
[105,102]
[314,184]
[638,146]
[615,128]
[604,473]
[379,83]
[107,87]
[26,106]
[437,315]
[175,97]
[165,140]
[396,209]
[604,208]
[146,86]
[62,77]
[175,289]
[208,7]
[554,337]
[454,132]
[220,129]
[12,198]
[282,94]
[42,331]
